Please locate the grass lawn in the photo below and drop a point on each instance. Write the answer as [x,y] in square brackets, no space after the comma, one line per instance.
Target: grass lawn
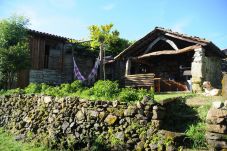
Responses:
[8,143]
[164,96]
[191,99]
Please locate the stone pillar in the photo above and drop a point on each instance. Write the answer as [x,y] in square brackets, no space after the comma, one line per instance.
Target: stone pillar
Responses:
[197,69]
[128,67]
[224,86]
[216,126]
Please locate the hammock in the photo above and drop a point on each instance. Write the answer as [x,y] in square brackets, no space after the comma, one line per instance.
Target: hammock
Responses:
[91,76]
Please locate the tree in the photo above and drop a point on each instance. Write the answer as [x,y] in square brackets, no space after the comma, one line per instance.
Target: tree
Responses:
[14,52]
[105,35]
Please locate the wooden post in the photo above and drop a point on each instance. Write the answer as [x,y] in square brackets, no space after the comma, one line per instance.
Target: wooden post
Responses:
[128,67]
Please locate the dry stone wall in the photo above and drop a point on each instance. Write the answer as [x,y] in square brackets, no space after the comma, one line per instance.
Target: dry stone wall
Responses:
[216,134]
[74,123]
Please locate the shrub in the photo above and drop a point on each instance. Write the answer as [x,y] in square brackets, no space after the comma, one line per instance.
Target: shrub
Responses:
[76,86]
[107,89]
[128,95]
[196,133]
[13,91]
[143,92]
[33,88]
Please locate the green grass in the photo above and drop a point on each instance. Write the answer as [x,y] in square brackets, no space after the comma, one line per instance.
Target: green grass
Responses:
[8,143]
[164,96]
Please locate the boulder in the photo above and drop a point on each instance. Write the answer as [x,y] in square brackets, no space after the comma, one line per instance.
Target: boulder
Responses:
[225,104]
[110,119]
[47,99]
[140,146]
[216,136]
[130,111]
[102,115]
[120,136]
[216,116]
[115,103]
[55,111]
[217,144]
[80,116]
[217,104]
[217,128]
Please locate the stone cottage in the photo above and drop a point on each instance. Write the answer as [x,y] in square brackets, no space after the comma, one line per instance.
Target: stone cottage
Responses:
[178,61]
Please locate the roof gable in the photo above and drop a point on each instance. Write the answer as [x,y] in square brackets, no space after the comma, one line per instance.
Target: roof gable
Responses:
[142,44]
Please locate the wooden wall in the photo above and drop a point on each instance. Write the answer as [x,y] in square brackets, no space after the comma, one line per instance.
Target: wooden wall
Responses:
[37,47]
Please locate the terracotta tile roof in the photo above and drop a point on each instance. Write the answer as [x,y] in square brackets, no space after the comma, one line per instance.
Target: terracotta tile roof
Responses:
[30,31]
[159,30]
[183,35]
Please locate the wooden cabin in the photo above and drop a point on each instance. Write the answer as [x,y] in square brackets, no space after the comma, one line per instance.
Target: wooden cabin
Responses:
[51,60]
[174,61]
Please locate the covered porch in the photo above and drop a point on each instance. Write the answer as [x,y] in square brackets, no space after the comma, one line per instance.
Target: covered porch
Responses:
[171,69]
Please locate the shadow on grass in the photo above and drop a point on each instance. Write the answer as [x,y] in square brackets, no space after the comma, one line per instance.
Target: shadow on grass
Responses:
[179,116]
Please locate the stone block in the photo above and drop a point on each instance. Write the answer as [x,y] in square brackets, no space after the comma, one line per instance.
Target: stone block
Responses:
[216,116]
[217,128]
[216,136]
[224,86]
[110,119]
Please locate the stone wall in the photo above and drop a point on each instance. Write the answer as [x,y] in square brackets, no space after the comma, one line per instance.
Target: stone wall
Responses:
[213,71]
[216,134]
[205,68]
[46,76]
[224,86]
[77,123]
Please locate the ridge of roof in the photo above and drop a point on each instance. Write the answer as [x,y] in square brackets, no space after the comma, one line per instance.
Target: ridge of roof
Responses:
[183,35]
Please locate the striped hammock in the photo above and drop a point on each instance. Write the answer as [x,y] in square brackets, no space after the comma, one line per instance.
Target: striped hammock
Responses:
[91,76]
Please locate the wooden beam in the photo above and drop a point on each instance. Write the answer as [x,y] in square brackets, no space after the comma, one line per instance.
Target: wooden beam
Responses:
[169,52]
[186,39]
[128,67]
[170,42]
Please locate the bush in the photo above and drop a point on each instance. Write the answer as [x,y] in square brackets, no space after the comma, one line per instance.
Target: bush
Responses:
[128,94]
[107,89]
[33,88]
[76,86]
[102,90]
[196,133]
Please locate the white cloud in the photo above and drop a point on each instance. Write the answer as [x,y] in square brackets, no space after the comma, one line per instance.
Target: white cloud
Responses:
[108,7]
[180,25]
[53,22]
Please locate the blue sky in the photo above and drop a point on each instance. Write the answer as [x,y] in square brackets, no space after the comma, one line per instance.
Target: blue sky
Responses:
[133,18]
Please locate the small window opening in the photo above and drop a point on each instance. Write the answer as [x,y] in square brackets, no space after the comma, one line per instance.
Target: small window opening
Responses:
[46,57]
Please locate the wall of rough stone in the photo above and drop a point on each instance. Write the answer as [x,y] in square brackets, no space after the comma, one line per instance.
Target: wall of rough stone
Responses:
[46,76]
[198,69]
[216,119]
[224,86]
[205,68]
[73,123]
[213,71]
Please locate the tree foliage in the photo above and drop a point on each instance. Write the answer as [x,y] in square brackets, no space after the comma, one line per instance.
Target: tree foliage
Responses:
[14,52]
[110,38]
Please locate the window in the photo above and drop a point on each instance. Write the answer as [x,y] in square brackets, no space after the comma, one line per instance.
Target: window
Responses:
[46,56]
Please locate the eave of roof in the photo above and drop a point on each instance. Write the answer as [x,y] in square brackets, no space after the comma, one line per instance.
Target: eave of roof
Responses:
[44,34]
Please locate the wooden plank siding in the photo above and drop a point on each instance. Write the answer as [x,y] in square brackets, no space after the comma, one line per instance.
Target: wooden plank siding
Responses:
[37,47]
[139,80]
